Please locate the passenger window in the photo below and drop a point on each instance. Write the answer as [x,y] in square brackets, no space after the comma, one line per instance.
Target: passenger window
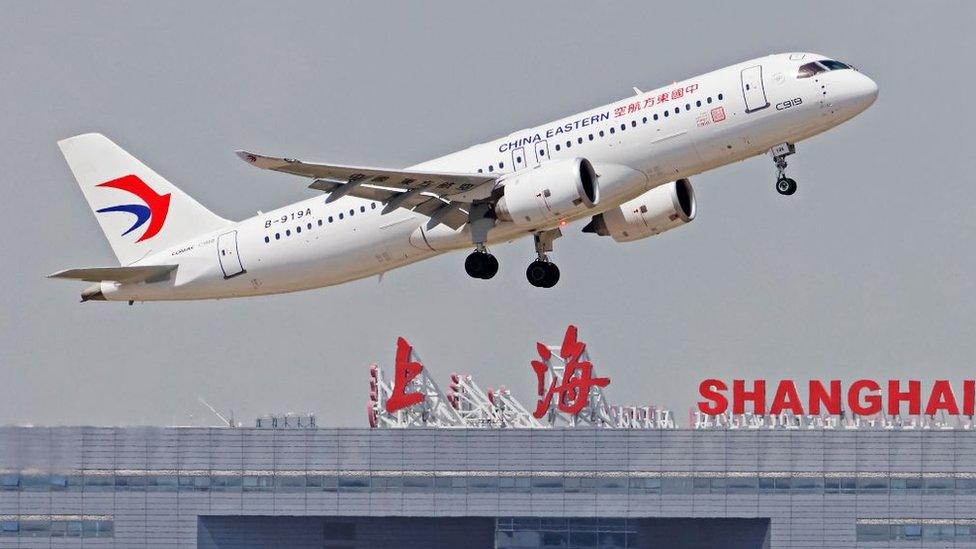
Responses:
[542,153]
[591,137]
[341,216]
[569,144]
[644,120]
[677,110]
[557,146]
[277,236]
[655,117]
[352,212]
[687,106]
[362,209]
[633,123]
[298,229]
[288,232]
[579,140]
[330,219]
[480,170]
[501,165]
[491,168]
[266,240]
[623,127]
[320,222]
[612,130]
[309,225]
[719,97]
[709,100]
[665,114]
[372,205]
[601,133]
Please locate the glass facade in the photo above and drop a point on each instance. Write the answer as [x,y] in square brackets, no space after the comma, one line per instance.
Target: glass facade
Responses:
[568,533]
[919,530]
[494,482]
[38,526]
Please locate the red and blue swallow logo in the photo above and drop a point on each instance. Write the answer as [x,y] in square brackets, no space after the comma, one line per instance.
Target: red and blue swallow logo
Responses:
[154,207]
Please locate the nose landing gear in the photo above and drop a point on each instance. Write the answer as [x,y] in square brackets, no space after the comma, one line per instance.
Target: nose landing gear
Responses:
[784,185]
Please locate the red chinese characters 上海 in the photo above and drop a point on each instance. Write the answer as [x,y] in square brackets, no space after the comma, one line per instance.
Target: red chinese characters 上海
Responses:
[577,380]
[406,371]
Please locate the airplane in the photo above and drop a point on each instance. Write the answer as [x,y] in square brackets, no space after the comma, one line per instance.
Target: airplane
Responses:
[623,166]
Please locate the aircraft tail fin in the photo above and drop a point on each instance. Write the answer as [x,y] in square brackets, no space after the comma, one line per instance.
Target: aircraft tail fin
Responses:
[139,211]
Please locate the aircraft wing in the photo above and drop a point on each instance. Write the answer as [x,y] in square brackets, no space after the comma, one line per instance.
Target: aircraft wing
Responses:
[116,274]
[443,196]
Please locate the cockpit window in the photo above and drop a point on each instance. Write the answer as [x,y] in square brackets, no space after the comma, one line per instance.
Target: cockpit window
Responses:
[810,69]
[833,65]
[817,67]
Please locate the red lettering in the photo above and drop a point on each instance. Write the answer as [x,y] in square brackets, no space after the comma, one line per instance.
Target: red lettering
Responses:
[969,397]
[757,396]
[913,397]
[873,401]
[577,379]
[711,390]
[819,395]
[942,398]
[786,398]
[406,371]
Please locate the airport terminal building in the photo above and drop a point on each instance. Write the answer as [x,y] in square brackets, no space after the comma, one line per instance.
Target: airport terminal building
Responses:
[484,488]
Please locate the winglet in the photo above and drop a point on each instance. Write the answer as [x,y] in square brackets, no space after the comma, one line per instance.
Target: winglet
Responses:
[264,162]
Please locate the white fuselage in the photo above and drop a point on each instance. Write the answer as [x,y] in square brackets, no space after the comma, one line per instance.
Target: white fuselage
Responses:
[312,243]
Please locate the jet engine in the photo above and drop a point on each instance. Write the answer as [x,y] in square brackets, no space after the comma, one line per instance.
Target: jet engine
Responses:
[658,210]
[549,192]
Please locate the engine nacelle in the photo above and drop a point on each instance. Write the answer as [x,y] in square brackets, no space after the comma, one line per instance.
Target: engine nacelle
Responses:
[658,210]
[549,192]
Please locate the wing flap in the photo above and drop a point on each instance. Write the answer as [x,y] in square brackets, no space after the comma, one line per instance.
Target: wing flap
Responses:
[117,274]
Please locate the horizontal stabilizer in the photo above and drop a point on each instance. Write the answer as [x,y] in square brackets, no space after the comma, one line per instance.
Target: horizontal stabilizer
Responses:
[117,274]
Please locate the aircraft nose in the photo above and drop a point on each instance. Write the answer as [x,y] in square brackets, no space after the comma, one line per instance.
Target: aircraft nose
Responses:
[864,92]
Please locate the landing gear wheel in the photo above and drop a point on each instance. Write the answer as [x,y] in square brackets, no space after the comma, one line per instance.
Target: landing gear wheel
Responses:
[481,265]
[542,274]
[785,186]
[492,268]
[552,277]
[536,273]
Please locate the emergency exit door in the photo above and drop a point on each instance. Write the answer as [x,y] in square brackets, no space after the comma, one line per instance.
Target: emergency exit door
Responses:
[753,90]
[541,151]
[230,261]
[519,159]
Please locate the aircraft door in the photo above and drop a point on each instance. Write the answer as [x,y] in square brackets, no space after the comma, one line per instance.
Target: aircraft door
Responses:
[519,159]
[753,90]
[230,260]
[541,151]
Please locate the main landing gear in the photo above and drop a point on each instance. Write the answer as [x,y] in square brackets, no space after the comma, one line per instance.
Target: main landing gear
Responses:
[543,273]
[784,185]
[481,263]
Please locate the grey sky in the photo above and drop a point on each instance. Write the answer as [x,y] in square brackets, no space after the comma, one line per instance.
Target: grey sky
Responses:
[866,271]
